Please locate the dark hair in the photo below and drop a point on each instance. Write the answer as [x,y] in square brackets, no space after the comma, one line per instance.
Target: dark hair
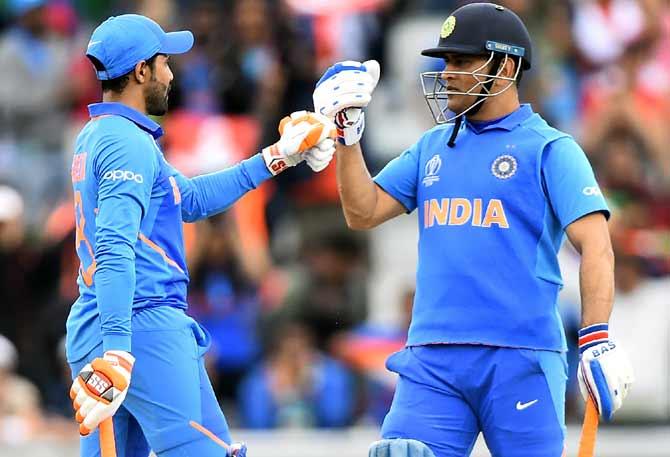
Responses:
[118,84]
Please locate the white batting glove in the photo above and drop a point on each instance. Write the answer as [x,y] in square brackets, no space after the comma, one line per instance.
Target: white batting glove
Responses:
[341,94]
[99,389]
[320,155]
[300,132]
[605,373]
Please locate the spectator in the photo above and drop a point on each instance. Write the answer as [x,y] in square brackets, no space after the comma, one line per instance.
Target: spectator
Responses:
[365,349]
[604,28]
[297,386]
[19,400]
[645,339]
[33,97]
[225,300]
[327,293]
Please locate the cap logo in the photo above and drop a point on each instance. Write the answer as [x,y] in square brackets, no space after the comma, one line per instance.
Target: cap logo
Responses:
[448,27]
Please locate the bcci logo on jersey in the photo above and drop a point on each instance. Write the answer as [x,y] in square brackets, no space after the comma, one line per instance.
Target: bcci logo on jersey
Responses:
[431,170]
[504,167]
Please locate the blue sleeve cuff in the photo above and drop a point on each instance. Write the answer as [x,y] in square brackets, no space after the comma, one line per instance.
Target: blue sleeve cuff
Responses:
[409,204]
[585,212]
[115,341]
[256,169]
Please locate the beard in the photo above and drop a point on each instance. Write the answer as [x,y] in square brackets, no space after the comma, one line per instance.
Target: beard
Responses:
[156,98]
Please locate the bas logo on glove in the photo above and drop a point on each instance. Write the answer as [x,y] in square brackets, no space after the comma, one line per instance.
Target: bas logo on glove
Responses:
[605,374]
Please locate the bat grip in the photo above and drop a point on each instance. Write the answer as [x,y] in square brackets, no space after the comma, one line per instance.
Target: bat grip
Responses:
[587,441]
[107,442]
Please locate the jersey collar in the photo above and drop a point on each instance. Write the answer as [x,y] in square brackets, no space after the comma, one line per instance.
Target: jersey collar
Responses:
[509,122]
[119,109]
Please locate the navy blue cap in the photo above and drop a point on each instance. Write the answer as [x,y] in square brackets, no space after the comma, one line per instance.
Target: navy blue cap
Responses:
[121,42]
[479,28]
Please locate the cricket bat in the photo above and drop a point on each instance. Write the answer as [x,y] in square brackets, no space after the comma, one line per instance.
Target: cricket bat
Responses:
[107,443]
[587,441]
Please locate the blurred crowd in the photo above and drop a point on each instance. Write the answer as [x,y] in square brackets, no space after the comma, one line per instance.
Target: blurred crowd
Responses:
[285,289]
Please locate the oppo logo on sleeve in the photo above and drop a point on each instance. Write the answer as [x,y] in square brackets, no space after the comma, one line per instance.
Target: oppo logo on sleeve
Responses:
[123,175]
[591,190]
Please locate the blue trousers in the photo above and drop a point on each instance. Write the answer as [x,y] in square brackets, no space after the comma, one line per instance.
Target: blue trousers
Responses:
[169,387]
[447,394]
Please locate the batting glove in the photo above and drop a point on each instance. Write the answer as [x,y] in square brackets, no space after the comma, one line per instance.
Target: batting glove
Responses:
[320,155]
[237,450]
[99,389]
[342,93]
[300,132]
[605,374]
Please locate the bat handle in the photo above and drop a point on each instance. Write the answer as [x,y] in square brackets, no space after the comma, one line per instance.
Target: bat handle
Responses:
[587,441]
[107,442]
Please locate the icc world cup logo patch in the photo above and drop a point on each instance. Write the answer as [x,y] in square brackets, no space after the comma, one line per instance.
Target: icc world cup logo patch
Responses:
[431,170]
[504,167]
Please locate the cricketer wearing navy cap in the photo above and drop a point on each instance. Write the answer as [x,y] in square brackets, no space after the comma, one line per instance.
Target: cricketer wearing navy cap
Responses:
[485,350]
[130,204]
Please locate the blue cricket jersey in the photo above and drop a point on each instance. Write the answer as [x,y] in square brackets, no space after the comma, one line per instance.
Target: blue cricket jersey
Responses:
[129,206]
[492,214]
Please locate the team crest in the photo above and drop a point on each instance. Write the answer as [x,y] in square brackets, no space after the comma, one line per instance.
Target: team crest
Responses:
[448,27]
[431,170]
[504,167]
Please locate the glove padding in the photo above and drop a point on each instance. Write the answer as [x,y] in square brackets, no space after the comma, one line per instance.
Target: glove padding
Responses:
[320,155]
[300,132]
[604,374]
[341,94]
[99,389]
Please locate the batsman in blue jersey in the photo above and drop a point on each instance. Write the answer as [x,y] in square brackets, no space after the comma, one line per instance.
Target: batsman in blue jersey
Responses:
[496,191]
[134,352]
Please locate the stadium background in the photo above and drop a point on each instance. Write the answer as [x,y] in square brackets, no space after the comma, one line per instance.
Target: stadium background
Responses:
[303,311]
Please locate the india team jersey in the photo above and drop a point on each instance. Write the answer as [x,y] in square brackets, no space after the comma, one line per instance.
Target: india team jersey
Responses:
[129,207]
[492,211]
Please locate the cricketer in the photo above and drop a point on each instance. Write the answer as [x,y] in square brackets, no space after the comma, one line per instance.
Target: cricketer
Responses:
[496,190]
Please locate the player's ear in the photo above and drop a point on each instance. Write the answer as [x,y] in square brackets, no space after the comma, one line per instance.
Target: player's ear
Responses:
[508,65]
[141,72]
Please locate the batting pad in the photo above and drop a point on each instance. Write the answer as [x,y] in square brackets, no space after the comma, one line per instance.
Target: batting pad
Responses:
[399,447]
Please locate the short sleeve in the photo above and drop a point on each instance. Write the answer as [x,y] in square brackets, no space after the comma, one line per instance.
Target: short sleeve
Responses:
[569,182]
[399,177]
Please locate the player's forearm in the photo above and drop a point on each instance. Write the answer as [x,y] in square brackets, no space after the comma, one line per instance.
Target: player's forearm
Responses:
[209,194]
[357,190]
[596,275]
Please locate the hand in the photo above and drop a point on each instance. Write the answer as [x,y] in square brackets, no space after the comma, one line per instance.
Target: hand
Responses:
[320,155]
[100,388]
[605,374]
[341,94]
[237,450]
[300,132]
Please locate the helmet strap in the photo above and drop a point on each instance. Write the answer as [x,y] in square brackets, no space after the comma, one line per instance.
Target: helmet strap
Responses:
[457,126]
